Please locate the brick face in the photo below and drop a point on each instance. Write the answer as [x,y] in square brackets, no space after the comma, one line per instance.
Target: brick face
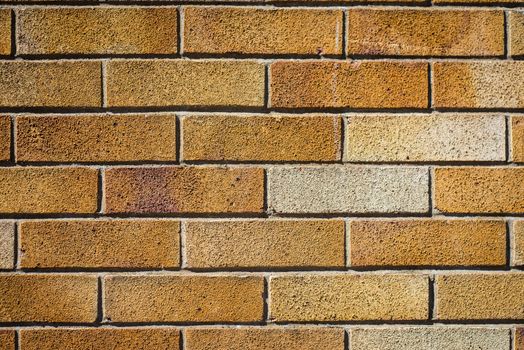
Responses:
[5,36]
[7,244]
[516,30]
[517,138]
[5,138]
[7,340]
[518,243]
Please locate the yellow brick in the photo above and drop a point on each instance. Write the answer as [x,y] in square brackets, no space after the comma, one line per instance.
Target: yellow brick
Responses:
[518,243]
[517,138]
[5,138]
[5,32]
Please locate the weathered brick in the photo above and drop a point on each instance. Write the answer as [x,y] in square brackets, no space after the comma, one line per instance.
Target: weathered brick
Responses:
[261,138]
[425,32]
[96,31]
[342,84]
[38,190]
[164,83]
[342,2]
[518,243]
[184,298]
[348,297]
[479,190]
[5,32]
[236,30]
[517,138]
[7,340]
[478,84]
[48,298]
[96,138]
[297,338]
[7,244]
[269,243]
[348,189]
[516,33]
[427,242]
[479,296]
[100,244]
[519,339]
[5,138]
[184,190]
[478,2]
[426,138]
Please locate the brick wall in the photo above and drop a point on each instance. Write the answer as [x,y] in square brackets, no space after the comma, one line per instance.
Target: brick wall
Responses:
[304,174]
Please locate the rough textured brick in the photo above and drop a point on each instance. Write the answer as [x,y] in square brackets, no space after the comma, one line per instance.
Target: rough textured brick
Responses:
[184,190]
[427,242]
[516,33]
[517,138]
[230,30]
[299,338]
[96,138]
[478,84]
[442,338]
[262,138]
[268,243]
[479,190]
[100,244]
[426,138]
[48,298]
[7,244]
[348,189]
[5,32]
[519,339]
[342,84]
[48,190]
[184,298]
[7,340]
[425,32]
[348,297]
[518,243]
[476,296]
[164,83]
[100,338]
[5,138]
[479,2]
[58,31]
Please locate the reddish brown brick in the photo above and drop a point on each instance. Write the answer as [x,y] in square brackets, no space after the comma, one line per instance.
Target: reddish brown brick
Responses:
[5,32]
[7,340]
[5,138]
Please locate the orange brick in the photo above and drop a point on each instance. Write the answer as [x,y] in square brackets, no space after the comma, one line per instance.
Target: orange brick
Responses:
[342,84]
[479,190]
[184,190]
[96,138]
[96,31]
[38,190]
[100,244]
[427,242]
[5,32]
[262,138]
[517,139]
[48,298]
[5,138]
[516,33]
[184,298]
[518,243]
[7,340]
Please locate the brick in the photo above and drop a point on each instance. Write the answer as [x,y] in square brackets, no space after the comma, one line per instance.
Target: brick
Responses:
[348,297]
[269,244]
[100,244]
[96,138]
[7,340]
[518,243]
[427,242]
[296,338]
[343,84]
[516,33]
[348,189]
[519,339]
[184,190]
[166,83]
[425,32]
[5,138]
[235,30]
[426,138]
[100,338]
[262,138]
[479,190]
[96,31]
[5,32]
[478,84]
[39,190]
[443,338]
[184,298]
[479,2]
[7,244]
[517,138]
[479,296]
[48,298]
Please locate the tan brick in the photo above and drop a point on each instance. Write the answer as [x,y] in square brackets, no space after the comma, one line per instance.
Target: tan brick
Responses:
[100,338]
[48,298]
[425,32]
[479,190]
[478,2]
[184,190]
[517,138]
[96,138]
[348,297]
[427,242]
[236,30]
[164,83]
[518,243]
[478,84]
[96,31]
[299,338]
[339,84]
[262,138]
[184,298]
[5,138]
[519,339]
[426,138]
[7,244]
[479,296]
[342,2]
[100,244]
[516,33]
[268,243]
[7,340]
[38,190]
[5,32]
